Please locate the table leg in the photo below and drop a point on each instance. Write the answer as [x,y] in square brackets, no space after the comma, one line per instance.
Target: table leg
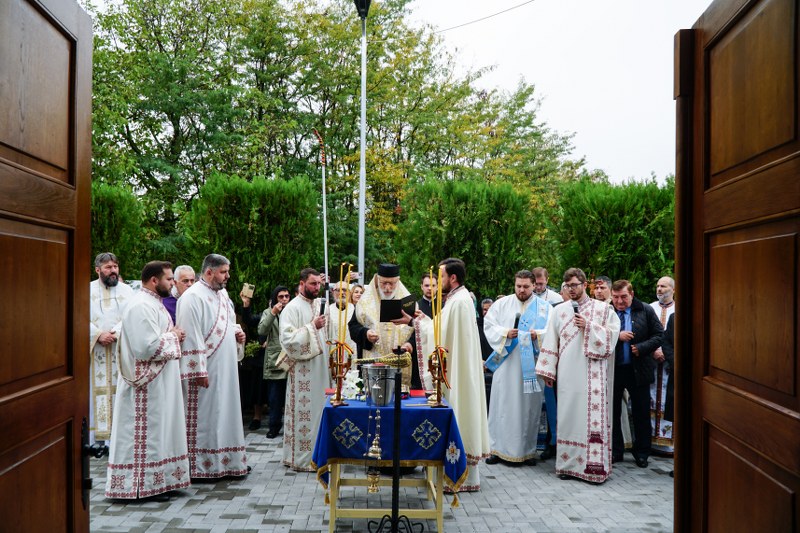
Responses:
[334,486]
[429,483]
[439,498]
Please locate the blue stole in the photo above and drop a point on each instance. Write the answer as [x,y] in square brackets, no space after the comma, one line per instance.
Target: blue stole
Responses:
[534,317]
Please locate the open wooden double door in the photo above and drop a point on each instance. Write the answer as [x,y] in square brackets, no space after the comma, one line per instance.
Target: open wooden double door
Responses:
[738,257]
[45,165]
[738,200]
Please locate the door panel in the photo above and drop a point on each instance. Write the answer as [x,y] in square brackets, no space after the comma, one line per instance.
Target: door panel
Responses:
[738,200]
[38,54]
[45,164]
[751,86]
[732,467]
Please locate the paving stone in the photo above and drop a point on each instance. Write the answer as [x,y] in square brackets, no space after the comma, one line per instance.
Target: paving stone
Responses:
[512,499]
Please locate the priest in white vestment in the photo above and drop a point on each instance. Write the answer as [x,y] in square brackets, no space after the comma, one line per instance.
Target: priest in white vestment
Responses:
[148,453]
[661,429]
[209,370]
[107,301]
[514,327]
[380,339]
[303,338]
[467,393]
[578,353]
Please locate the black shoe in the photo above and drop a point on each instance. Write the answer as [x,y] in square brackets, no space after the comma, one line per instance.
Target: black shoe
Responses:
[548,453]
[641,462]
[616,459]
[493,460]
[530,462]
[672,473]
[97,450]
[249,469]
[272,433]
[163,497]
[564,477]
[255,424]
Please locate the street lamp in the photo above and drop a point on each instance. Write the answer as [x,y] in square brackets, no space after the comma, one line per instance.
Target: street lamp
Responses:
[363,8]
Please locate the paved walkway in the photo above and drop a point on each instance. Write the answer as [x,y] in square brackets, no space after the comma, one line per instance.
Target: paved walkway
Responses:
[512,499]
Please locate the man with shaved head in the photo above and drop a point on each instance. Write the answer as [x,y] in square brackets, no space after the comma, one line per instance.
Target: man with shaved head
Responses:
[664,307]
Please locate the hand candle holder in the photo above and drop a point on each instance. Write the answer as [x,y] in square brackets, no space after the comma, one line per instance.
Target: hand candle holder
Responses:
[437,366]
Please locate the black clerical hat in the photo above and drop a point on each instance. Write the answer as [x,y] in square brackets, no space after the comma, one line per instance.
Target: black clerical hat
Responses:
[388,270]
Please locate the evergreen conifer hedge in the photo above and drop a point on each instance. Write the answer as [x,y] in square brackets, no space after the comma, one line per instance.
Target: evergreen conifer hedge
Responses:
[270,229]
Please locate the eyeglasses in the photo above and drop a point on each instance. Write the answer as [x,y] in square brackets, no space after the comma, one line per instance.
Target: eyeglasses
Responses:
[573,286]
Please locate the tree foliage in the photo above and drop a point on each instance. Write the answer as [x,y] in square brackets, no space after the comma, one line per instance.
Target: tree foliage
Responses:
[116,227]
[187,89]
[189,93]
[621,231]
[487,225]
[269,229]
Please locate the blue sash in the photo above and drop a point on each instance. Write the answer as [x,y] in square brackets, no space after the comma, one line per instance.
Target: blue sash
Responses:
[534,317]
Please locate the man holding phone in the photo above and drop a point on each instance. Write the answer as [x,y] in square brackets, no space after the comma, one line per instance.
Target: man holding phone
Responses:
[576,350]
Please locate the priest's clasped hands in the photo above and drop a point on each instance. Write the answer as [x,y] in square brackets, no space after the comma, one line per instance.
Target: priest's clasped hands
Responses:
[179,332]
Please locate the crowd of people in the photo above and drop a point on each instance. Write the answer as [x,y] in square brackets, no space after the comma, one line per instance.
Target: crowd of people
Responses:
[532,376]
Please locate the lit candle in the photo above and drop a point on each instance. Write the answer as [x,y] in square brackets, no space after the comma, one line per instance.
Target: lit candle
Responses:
[341,328]
[433,307]
[439,306]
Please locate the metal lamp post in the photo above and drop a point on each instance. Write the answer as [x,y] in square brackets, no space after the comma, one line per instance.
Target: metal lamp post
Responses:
[363,8]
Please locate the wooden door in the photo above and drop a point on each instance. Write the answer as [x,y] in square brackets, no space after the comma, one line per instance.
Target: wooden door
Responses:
[738,199]
[45,164]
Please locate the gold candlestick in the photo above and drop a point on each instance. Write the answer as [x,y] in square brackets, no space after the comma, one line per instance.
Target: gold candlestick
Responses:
[437,361]
[341,355]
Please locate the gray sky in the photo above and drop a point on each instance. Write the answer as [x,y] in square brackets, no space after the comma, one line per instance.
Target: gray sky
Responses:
[603,69]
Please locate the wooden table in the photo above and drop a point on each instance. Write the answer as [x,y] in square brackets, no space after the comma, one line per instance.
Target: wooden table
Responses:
[429,438]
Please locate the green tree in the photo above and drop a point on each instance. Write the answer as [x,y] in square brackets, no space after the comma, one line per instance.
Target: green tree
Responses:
[116,216]
[164,85]
[621,231]
[269,229]
[487,225]
[187,89]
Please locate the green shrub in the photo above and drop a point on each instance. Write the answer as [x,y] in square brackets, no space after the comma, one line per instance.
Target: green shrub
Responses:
[487,225]
[269,229]
[117,219]
[621,231]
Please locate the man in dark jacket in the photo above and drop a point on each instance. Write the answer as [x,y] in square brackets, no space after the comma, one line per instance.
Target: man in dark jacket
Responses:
[640,334]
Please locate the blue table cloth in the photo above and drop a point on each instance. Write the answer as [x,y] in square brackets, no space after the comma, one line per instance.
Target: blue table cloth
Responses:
[428,436]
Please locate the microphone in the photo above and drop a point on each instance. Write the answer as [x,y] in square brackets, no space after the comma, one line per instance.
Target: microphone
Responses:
[575,307]
[516,321]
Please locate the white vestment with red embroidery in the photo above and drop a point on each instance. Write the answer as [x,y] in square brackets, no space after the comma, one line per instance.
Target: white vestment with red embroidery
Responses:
[582,363]
[661,429]
[106,305]
[308,377]
[213,415]
[148,453]
[467,393]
